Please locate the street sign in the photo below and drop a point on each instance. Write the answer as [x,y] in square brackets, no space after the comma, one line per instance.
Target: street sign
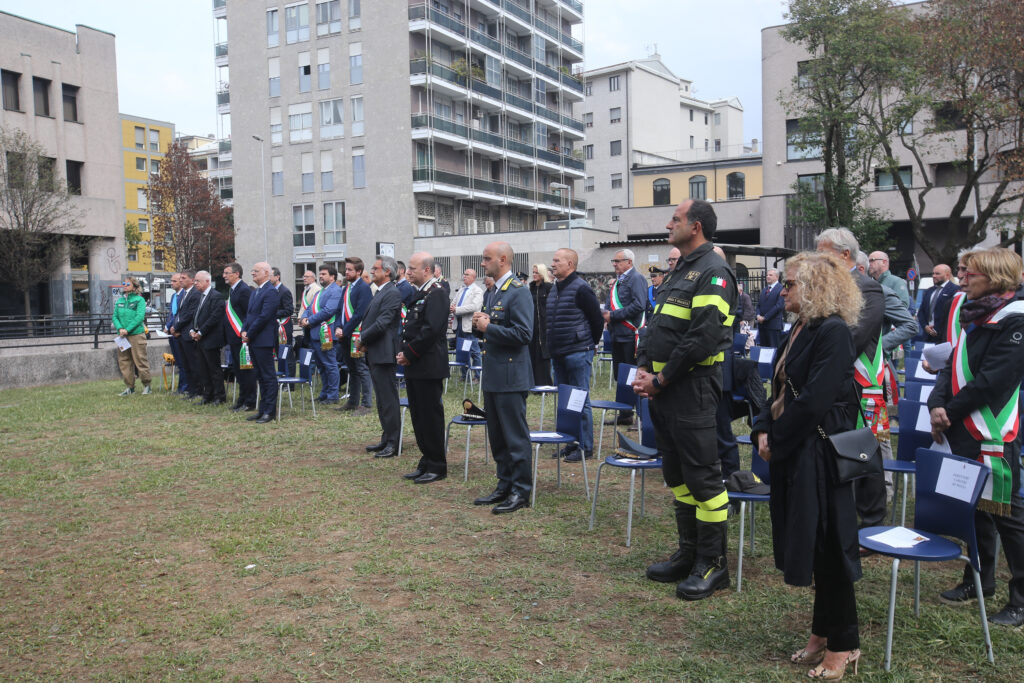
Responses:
[911,274]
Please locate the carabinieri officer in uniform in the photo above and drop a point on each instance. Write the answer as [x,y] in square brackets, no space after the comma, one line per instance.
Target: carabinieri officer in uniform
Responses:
[679,364]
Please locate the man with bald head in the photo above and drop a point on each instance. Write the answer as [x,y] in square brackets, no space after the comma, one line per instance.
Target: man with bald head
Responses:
[260,333]
[575,326]
[506,327]
[878,269]
[935,305]
[208,334]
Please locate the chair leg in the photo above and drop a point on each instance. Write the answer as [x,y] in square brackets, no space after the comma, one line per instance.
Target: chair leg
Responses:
[892,612]
[401,432]
[586,477]
[600,433]
[903,515]
[312,398]
[540,428]
[558,469]
[533,489]
[643,493]
[739,559]
[917,589]
[465,473]
[629,511]
[984,617]
[593,501]
[279,397]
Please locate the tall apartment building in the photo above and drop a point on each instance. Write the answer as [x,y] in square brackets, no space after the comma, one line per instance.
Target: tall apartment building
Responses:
[60,88]
[639,112]
[213,158]
[144,142]
[395,126]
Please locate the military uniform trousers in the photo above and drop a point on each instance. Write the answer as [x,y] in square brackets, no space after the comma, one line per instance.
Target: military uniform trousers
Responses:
[509,436]
[427,412]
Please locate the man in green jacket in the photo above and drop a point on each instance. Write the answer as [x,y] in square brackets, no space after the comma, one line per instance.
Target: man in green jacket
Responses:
[130,323]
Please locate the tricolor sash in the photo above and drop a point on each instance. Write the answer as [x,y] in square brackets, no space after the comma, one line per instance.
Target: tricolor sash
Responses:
[233,320]
[870,375]
[282,331]
[615,304]
[326,338]
[244,359]
[990,426]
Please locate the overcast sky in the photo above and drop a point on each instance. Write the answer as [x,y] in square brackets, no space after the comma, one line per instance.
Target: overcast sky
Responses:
[165,48]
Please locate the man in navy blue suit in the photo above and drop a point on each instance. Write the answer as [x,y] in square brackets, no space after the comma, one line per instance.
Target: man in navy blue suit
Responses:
[176,350]
[236,308]
[770,306]
[260,333]
[355,299]
[935,305]
[406,289]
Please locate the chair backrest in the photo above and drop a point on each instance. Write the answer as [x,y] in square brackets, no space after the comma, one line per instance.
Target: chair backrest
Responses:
[938,512]
[913,415]
[918,345]
[606,341]
[569,421]
[917,373]
[623,385]
[765,357]
[462,346]
[647,437]
[917,391]
[305,363]
[283,351]
[739,344]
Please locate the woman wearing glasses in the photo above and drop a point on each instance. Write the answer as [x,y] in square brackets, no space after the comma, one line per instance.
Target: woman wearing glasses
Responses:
[814,519]
[130,323]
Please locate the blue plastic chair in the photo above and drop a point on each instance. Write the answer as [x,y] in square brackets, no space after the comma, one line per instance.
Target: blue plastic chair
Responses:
[647,440]
[625,399]
[543,390]
[604,356]
[568,425]
[403,405]
[909,441]
[760,468]
[739,344]
[936,515]
[765,357]
[915,373]
[305,378]
[460,421]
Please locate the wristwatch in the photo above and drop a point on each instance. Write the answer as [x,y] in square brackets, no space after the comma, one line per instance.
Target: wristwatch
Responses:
[655,383]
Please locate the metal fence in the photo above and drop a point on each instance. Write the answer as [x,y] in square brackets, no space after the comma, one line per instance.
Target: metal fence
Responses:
[45,330]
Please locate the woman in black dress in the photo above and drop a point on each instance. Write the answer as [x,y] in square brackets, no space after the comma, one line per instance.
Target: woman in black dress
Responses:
[540,285]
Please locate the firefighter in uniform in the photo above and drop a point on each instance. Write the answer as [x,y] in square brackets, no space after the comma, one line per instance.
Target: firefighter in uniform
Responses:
[680,371]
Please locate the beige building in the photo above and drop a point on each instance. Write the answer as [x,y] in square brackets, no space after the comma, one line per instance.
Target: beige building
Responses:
[60,87]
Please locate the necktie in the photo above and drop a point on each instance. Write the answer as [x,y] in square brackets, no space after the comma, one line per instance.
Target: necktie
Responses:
[195,320]
[174,303]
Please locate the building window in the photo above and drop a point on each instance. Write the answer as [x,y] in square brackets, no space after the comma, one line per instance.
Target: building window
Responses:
[154,141]
[140,164]
[615,148]
[705,118]
[705,144]
[303,229]
[737,185]
[296,23]
[588,119]
[326,171]
[616,181]
[334,223]
[141,200]
[357,115]
[46,171]
[718,119]
[276,176]
[69,94]
[355,21]
[662,192]
[16,170]
[698,187]
[300,122]
[718,145]
[588,184]
[154,167]
[355,63]
[273,28]
[158,259]
[11,81]
[305,73]
[328,17]
[41,96]
[885,180]
[274,76]
[73,172]
[691,115]
[323,68]
[276,127]
[613,83]
[358,168]
[588,89]
[949,116]
[133,254]
[814,182]
[332,120]
[588,152]
[615,115]
[140,137]
[143,225]
[307,172]
[615,212]
[797,143]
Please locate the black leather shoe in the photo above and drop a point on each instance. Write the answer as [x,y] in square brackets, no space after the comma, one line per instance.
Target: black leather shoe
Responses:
[254,417]
[515,501]
[386,452]
[217,402]
[248,408]
[499,495]
[429,478]
[373,448]
[1008,616]
[416,474]
[237,407]
[265,418]
[578,455]
[708,575]
[964,594]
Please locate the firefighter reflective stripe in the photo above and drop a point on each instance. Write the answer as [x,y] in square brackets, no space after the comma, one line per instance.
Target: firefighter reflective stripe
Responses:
[673,310]
[714,510]
[718,302]
[658,366]
[682,494]
[685,313]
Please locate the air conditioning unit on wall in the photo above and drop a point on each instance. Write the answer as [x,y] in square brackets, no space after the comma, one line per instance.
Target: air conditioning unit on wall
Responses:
[471,226]
[488,226]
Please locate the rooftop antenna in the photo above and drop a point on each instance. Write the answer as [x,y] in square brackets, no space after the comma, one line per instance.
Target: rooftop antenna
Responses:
[652,50]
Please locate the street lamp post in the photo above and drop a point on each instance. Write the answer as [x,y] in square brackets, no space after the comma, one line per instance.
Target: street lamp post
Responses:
[263,196]
[563,186]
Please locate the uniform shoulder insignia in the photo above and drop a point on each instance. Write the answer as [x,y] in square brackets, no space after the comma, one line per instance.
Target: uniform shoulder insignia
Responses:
[693,275]
[515,282]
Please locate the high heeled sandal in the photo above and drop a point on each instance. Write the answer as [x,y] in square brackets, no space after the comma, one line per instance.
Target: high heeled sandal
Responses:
[808,657]
[836,674]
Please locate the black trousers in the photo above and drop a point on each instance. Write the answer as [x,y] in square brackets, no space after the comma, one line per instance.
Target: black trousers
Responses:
[265,368]
[211,377]
[190,355]
[385,385]
[245,378]
[509,436]
[766,337]
[835,603]
[623,352]
[1011,532]
[427,412]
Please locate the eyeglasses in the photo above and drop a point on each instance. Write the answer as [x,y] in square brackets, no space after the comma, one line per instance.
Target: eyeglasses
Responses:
[672,260]
[619,260]
[970,274]
[872,260]
[789,284]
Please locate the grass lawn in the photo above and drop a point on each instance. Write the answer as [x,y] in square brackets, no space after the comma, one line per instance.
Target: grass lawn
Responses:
[147,538]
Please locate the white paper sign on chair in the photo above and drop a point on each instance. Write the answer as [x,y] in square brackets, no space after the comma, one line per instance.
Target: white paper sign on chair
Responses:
[957,479]
[576,400]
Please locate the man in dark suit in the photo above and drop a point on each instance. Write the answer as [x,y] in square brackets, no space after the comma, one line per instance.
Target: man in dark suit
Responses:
[870,491]
[260,333]
[935,304]
[439,276]
[207,333]
[407,291]
[318,322]
[285,311]
[488,291]
[355,299]
[182,321]
[507,327]
[627,304]
[424,355]
[235,310]
[379,341]
[770,307]
[175,344]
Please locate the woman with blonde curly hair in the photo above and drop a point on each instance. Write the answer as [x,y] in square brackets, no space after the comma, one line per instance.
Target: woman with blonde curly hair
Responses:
[814,518]
[540,356]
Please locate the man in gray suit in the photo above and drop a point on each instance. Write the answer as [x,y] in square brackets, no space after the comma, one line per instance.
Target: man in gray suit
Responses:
[627,304]
[379,340]
[506,327]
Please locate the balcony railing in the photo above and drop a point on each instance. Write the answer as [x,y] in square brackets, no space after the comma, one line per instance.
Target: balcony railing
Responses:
[516,9]
[545,27]
[547,113]
[517,101]
[578,6]
[546,155]
[488,186]
[217,4]
[425,120]
[546,70]
[439,123]
[572,123]
[488,138]
[517,56]
[224,146]
[220,50]
[519,147]
[566,39]
[484,39]
[572,163]
[439,18]
[223,98]
[484,89]
[572,82]
[431,174]
[419,66]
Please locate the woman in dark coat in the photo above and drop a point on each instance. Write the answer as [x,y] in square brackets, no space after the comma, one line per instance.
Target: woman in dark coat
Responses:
[540,356]
[814,519]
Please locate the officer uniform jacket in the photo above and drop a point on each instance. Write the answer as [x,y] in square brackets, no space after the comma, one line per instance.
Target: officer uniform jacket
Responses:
[868,330]
[260,324]
[506,351]
[383,319]
[209,319]
[633,296]
[425,335]
[692,323]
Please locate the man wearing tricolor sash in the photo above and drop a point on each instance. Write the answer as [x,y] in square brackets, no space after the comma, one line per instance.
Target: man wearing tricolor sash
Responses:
[624,317]
[319,327]
[285,311]
[355,299]
[975,407]
[309,291]
[235,309]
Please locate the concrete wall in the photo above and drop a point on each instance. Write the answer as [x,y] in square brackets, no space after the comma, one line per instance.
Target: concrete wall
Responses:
[43,365]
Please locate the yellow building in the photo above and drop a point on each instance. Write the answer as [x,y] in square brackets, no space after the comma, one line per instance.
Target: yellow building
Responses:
[717,180]
[143,145]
